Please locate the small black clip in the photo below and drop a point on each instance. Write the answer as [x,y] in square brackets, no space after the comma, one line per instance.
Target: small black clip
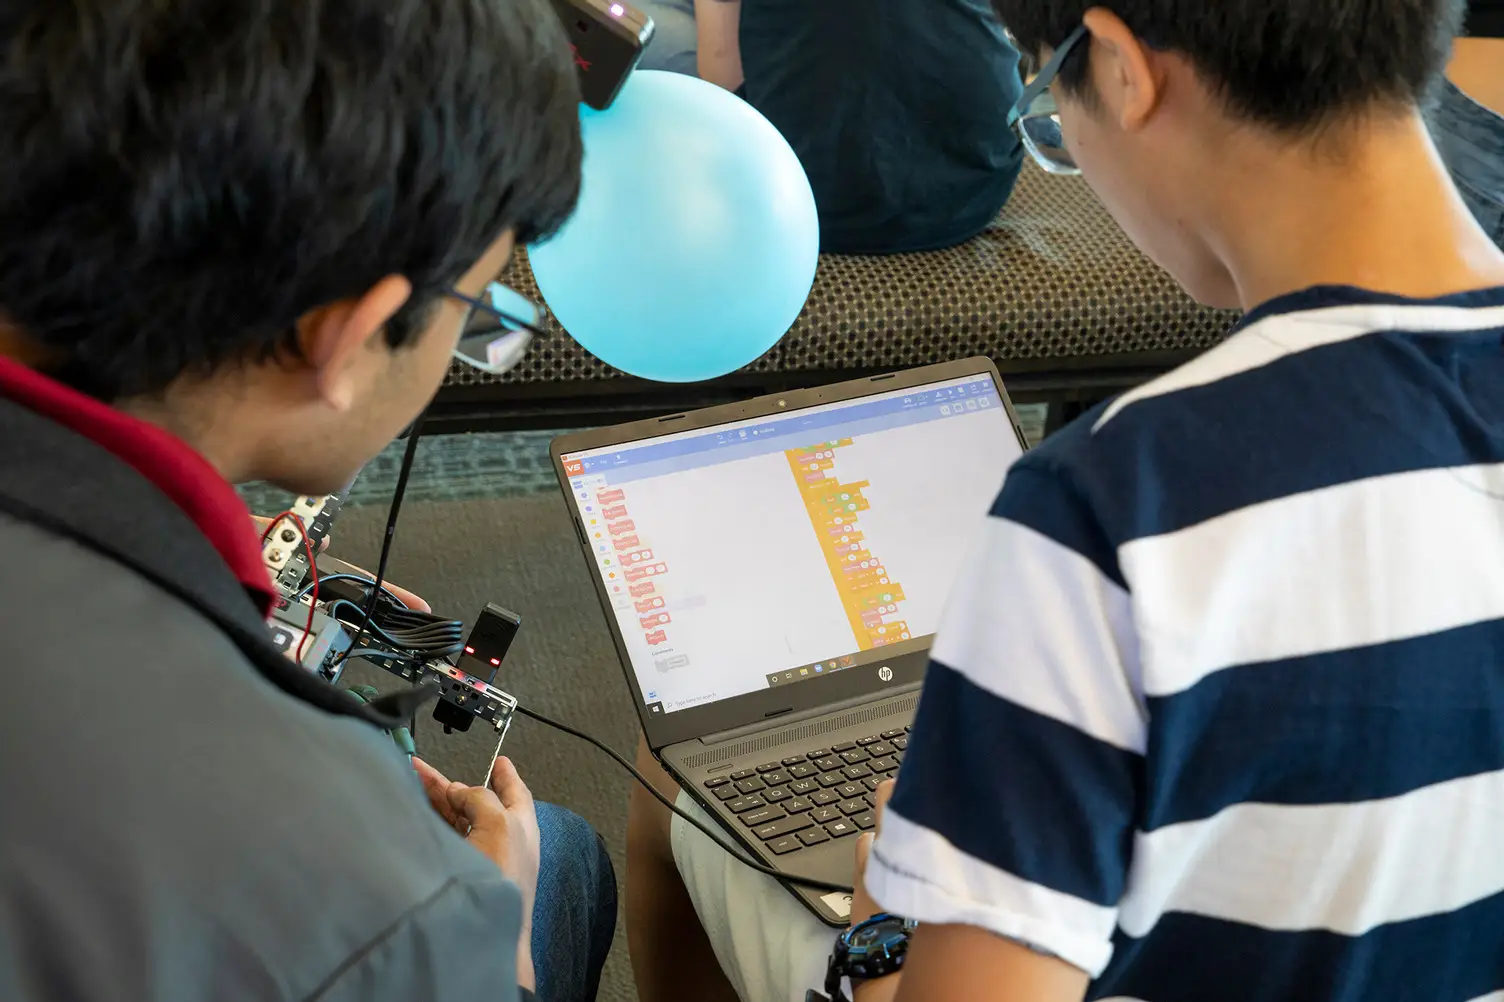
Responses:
[402,705]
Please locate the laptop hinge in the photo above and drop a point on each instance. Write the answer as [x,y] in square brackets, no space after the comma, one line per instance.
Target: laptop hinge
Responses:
[785,719]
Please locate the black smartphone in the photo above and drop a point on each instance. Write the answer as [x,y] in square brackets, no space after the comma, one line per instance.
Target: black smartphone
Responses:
[608,38]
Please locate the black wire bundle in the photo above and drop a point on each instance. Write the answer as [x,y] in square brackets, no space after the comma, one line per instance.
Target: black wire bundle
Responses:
[404,630]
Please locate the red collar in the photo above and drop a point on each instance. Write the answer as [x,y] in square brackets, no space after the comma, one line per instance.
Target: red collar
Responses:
[166,460]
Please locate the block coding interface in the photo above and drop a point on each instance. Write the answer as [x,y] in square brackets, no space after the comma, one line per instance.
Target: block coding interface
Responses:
[778,549]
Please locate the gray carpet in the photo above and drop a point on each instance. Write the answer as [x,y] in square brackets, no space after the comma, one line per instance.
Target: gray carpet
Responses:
[520,553]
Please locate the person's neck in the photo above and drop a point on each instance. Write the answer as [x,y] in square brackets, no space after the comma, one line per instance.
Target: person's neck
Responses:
[211,434]
[169,411]
[1374,209]
[16,348]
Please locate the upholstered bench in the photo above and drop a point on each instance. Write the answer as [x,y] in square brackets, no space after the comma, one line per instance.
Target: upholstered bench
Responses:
[1053,292]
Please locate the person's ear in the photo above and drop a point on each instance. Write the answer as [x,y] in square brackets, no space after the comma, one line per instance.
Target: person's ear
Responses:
[337,340]
[1123,69]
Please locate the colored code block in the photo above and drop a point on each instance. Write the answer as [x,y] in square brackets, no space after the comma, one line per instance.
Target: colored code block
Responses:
[656,637]
[617,528]
[623,543]
[620,511]
[649,604]
[611,496]
[641,588]
[658,619]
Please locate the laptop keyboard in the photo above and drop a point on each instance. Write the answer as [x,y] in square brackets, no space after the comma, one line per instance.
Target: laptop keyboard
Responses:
[809,799]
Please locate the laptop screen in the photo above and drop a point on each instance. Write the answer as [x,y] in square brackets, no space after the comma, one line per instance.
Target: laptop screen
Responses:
[771,551]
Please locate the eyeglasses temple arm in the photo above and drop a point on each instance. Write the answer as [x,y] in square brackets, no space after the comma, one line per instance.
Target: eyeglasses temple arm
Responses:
[485,307]
[1046,75]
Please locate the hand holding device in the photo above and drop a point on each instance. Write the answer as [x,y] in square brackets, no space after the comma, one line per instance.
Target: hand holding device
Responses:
[499,820]
[417,603]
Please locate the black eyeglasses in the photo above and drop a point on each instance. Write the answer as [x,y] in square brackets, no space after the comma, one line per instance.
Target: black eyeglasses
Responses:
[509,323]
[1037,118]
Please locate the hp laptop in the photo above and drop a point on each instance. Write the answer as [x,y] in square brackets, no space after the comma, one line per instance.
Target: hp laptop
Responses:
[773,572]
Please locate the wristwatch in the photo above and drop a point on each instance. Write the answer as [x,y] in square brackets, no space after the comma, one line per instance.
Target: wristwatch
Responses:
[870,949]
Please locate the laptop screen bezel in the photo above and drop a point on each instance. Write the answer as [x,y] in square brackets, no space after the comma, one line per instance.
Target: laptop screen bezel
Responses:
[908,662]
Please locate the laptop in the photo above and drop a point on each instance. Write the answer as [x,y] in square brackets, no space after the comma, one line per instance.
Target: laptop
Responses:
[773,572]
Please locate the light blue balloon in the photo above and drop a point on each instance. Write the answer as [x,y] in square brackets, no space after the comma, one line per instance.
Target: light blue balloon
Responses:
[695,243]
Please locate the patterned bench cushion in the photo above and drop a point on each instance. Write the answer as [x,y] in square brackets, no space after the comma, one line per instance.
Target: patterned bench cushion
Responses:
[1054,280]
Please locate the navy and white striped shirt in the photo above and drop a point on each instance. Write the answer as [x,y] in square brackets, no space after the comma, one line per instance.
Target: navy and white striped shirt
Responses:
[1217,708]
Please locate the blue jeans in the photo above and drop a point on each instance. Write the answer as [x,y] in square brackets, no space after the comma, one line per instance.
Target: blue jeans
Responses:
[574,917]
[1471,140]
[675,44]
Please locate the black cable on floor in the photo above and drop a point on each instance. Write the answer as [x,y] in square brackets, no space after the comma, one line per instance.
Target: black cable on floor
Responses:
[736,854]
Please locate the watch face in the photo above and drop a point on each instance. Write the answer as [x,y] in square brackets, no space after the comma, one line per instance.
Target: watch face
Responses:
[884,937]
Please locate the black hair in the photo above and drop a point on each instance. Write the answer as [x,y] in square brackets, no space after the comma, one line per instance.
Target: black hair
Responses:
[1293,66]
[183,179]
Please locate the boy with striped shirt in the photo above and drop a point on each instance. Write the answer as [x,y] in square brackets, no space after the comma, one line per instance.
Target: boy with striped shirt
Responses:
[1217,711]
[1217,708]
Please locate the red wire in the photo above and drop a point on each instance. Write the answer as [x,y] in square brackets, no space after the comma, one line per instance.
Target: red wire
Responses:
[313,600]
[313,568]
[274,523]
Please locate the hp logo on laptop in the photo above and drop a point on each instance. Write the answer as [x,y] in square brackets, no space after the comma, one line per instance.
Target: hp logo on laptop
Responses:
[885,673]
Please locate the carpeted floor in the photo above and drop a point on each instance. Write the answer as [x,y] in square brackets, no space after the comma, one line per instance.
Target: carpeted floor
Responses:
[521,553]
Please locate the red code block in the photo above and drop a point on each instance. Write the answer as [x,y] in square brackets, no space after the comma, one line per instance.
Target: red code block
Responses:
[626,543]
[620,511]
[649,604]
[617,528]
[611,496]
[657,637]
[660,619]
[642,588]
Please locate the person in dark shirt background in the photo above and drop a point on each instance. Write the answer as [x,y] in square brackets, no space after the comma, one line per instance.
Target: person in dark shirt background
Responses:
[899,116]
[1467,120]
